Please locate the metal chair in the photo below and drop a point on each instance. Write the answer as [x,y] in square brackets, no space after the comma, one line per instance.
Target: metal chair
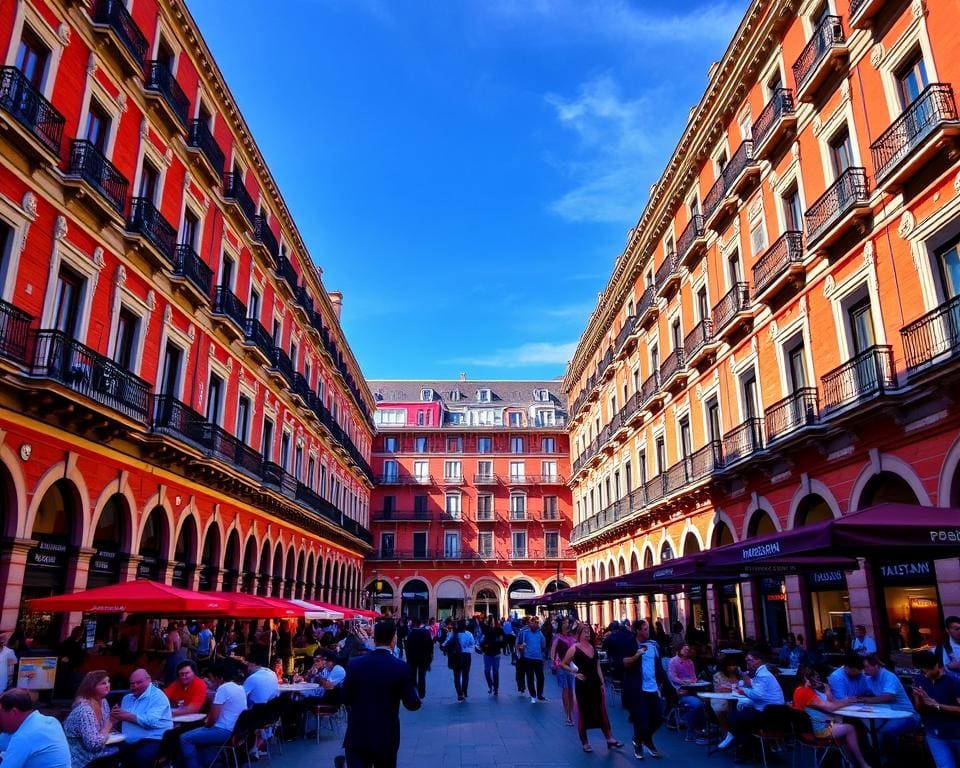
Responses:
[820,747]
[239,739]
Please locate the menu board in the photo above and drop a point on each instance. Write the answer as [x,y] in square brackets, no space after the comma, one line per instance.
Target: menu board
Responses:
[37,674]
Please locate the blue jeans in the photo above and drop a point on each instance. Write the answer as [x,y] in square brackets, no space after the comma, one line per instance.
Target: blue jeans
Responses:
[192,743]
[694,712]
[491,671]
[946,752]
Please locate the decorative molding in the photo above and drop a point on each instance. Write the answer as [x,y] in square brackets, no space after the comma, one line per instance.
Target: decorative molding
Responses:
[167,314]
[804,306]
[918,9]
[168,157]
[869,254]
[845,90]
[956,184]
[29,205]
[191,333]
[876,55]
[151,300]
[907,224]
[230,364]
[699,392]
[187,178]
[212,351]
[122,102]
[144,128]
[828,286]
[773,330]
[91,63]
[716,375]
[63,32]
[817,125]
[120,276]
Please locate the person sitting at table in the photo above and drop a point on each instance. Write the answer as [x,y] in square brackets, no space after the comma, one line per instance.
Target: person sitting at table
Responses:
[36,741]
[330,675]
[229,700]
[88,725]
[725,679]
[144,716]
[188,693]
[761,689]
[938,699]
[261,685]
[811,697]
[791,655]
[276,665]
[681,673]
[846,683]
[884,687]
[862,644]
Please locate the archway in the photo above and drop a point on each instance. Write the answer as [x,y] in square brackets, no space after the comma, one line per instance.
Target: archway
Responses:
[231,562]
[327,580]
[379,595]
[415,600]
[698,625]
[761,524]
[522,589]
[263,575]
[276,589]
[451,599]
[210,559]
[647,558]
[722,535]
[309,578]
[55,528]
[154,545]
[108,538]
[249,567]
[301,581]
[555,585]
[634,563]
[887,488]
[184,553]
[812,508]
[771,590]
[954,494]
[487,603]
[729,613]
[290,574]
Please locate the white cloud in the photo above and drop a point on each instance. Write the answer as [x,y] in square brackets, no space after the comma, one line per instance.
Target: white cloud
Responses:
[529,354]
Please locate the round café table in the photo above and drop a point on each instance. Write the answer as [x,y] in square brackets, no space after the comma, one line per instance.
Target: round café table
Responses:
[115,738]
[192,717]
[872,714]
[298,687]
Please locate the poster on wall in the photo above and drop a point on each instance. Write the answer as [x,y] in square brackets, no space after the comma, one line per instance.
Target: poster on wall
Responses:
[38,673]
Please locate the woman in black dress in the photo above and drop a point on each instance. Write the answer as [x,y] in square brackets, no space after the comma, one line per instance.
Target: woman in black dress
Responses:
[581,659]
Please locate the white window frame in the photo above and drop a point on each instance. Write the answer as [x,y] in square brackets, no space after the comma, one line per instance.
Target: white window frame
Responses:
[64,252]
[27,15]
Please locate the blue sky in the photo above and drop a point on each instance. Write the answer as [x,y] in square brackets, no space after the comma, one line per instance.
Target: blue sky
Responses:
[466,172]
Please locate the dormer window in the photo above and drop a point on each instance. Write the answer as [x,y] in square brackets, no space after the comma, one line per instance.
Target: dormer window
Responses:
[454,395]
[541,395]
[483,396]
[426,395]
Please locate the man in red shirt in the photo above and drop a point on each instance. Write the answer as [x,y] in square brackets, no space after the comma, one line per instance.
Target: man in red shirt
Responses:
[188,693]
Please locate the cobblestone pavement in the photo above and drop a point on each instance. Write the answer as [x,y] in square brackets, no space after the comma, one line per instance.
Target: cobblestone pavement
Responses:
[508,730]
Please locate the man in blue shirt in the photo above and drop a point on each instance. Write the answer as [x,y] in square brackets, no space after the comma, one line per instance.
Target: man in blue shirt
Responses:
[144,716]
[938,699]
[846,683]
[884,687]
[533,645]
[761,689]
[36,741]
[509,640]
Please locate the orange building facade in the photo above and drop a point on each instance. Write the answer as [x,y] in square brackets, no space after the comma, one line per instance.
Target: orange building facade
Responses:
[178,401]
[779,340]
[470,512]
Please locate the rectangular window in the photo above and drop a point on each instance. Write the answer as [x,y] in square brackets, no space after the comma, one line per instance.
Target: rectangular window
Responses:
[214,399]
[841,152]
[948,269]
[516,444]
[149,182]
[485,471]
[32,58]
[676,334]
[97,130]
[420,504]
[518,541]
[516,419]
[485,544]
[227,268]
[518,506]
[485,506]
[172,360]
[713,420]
[758,237]
[748,388]
[311,472]
[451,544]
[390,444]
[545,417]
[453,504]
[792,210]
[517,473]
[243,418]
[452,471]
[548,445]
[551,544]
[911,79]
[420,444]
[484,445]
[285,450]
[483,395]
[548,471]
[796,371]
[686,443]
[128,327]
[298,462]
[628,476]
[703,308]
[550,509]
[420,544]
[421,471]
[734,268]
[390,471]
[387,543]
[455,444]
[266,444]
[661,454]
[391,416]
[67,301]
[861,326]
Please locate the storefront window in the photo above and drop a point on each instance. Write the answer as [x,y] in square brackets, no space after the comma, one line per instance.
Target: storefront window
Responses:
[911,605]
[830,603]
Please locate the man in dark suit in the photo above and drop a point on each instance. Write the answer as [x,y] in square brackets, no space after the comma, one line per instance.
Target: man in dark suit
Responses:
[420,655]
[376,685]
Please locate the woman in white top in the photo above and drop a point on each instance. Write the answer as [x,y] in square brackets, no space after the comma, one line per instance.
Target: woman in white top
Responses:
[459,645]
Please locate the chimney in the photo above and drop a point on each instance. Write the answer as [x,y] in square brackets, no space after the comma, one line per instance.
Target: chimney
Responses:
[463,376]
[336,298]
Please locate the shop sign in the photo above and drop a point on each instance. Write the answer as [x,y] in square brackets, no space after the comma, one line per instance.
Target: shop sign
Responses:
[728,591]
[824,580]
[149,568]
[48,554]
[695,592]
[206,577]
[912,572]
[105,561]
[179,571]
[771,587]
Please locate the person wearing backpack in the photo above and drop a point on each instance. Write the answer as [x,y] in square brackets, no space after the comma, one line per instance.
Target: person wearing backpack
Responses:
[459,647]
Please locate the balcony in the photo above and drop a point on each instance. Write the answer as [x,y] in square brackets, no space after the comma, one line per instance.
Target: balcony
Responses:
[14,332]
[692,243]
[777,121]
[177,420]
[231,450]
[263,236]
[732,311]
[88,170]
[551,479]
[278,479]
[228,311]
[114,22]
[742,172]
[781,264]
[394,516]
[149,228]
[793,413]
[700,343]
[284,270]
[647,309]
[924,130]
[651,393]
[257,341]
[390,478]
[237,197]
[191,274]
[862,11]
[37,127]
[668,275]
[932,339]
[485,479]
[453,479]
[629,326]
[280,368]
[519,516]
[300,390]
[743,441]
[846,200]
[520,553]
[161,87]
[868,375]
[550,516]
[485,516]
[200,140]
[520,479]
[826,49]
[66,361]
[452,516]
[673,369]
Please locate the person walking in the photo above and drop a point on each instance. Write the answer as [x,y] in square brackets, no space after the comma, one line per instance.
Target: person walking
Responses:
[459,646]
[582,662]
[509,640]
[641,689]
[517,655]
[376,685]
[491,643]
[563,641]
[420,655]
[533,645]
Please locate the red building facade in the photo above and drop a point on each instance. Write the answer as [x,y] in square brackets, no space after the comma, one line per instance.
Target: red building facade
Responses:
[470,512]
[178,399]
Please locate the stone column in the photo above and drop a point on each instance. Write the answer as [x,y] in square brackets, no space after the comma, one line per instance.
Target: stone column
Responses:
[948,583]
[77,575]
[751,620]
[796,617]
[13,565]
[863,608]
[128,568]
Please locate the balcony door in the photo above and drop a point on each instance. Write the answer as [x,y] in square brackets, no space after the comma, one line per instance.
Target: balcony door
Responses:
[214,399]
[266,443]
[66,302]
[796,381]
[190,230]
[862,338]
[170,377]
[841,153]
[451,544]
[32,58]
[226,272]
[125,343]
[911,79]
[518,542]
[420,544]
[149,182]
[387,544]
[243,418]
[97,130]
[948,269]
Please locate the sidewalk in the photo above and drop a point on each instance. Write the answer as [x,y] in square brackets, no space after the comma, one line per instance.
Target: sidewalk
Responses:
[507,730]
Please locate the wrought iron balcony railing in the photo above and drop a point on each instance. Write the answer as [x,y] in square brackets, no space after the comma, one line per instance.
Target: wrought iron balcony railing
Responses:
[280,361]
[672,364]
[88,164]
[159,79]
[867,375]
[22,101]
[188,265]
[176,419]
[650,387]
[742,160]
[402,515]
[691,233]
[667,271]
[264,235]
[114,14]
[227,304]
[235,191]
[700,335]
[743,440]
[254,333]
[849,190]
[932,109]
[646,302]
[14,332]
[200,137]
[285,271]
[777,260]
[827,36]
[146,220]
[932,338]
[800,409]
[715,196]
[90,374]
[734,301]
[780,106]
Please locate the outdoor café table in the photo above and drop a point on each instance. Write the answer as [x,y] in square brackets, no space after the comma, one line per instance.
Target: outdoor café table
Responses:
[193,717]
[787,671]
[298,687]
[721,696]
[872,713]
[115,738]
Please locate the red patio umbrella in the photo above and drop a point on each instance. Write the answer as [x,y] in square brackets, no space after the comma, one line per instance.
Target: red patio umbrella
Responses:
[245,606]
[140,596]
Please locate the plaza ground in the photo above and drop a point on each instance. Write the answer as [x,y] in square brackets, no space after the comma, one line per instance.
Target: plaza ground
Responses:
[507,730]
